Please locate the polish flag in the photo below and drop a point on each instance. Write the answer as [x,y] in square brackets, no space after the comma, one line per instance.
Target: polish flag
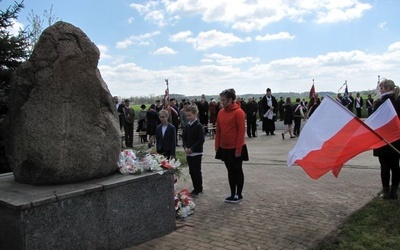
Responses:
[312,92]
[333,135]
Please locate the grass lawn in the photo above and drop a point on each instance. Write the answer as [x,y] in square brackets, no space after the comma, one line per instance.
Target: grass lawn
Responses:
[375,226]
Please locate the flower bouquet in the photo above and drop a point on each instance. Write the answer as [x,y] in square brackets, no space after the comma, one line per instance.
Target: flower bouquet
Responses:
[136,162]
[128,163]
[184,205]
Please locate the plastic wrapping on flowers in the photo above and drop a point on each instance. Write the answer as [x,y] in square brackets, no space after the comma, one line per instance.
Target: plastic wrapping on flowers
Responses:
[136,162]
[183,200]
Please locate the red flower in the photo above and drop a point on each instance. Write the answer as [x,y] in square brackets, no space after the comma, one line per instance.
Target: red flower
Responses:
[164,164]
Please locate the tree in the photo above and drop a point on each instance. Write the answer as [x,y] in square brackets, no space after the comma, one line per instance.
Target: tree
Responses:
[36,25]
[13,50]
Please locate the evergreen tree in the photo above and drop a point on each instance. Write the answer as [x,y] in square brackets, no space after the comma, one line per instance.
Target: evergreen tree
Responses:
[14,49]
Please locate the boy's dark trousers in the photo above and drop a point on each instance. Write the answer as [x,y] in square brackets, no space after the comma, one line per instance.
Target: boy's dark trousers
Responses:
[194,163]
[297,125]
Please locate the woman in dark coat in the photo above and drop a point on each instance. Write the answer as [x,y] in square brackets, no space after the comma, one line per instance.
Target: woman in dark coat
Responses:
[152,121]
[288,117]
[388,158]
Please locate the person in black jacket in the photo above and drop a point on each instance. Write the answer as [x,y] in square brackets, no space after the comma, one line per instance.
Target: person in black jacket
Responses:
[129,115]
[251,117]
[358,104]
[193,140]
[269,109]
[202,105]
[389,158]
[165,136]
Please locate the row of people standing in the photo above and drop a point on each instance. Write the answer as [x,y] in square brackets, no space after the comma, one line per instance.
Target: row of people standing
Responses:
[357,103]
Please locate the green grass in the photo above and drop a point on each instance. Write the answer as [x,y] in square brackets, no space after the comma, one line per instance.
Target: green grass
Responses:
[375,226]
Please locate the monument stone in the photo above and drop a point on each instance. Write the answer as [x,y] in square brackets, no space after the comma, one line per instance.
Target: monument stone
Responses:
[61,126]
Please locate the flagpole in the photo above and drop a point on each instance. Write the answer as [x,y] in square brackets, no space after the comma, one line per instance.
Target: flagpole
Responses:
[365,125]
[167,91]
[345,82]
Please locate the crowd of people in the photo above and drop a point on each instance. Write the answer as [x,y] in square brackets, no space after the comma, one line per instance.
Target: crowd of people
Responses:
[232,117]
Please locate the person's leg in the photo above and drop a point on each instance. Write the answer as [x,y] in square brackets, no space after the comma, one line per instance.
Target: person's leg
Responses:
[254,126]
[239,177]
[290,130]
[385,176]
[131,134]
[299,127]
[126,129]
[196,170]
[394,163]
[272,128]
[191,172]
[231,176]
[248,123]
[296,129]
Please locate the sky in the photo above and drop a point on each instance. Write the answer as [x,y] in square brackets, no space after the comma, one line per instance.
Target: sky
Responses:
[206,46]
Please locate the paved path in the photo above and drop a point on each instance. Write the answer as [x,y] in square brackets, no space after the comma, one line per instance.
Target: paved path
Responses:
[283,208]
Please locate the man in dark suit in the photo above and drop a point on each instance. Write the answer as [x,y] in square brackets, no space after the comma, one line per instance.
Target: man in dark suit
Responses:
[358,104]
[202,105]
[165,136]
[251,117]
[269,109]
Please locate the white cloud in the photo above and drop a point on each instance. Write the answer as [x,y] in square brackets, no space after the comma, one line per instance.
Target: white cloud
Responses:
[103,52]
[144,8]
[181,36]
[337,11]
[227,60]
[382,25]
[208,39]
[156,17]
[249,16]
[131,19]
[153,13]
[278,36]
[15,27]
[329,70]
[394,47]
[164,51]
[140,40]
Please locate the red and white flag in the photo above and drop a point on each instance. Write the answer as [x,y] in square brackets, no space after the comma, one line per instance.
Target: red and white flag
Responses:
[166,99]
[312,91]
[333,135]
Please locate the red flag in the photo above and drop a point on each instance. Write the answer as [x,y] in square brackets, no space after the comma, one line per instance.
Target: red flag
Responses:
[166,99]
[312,91]
[341,136]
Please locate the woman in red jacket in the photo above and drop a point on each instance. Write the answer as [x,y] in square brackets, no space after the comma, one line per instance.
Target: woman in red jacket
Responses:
[230,145]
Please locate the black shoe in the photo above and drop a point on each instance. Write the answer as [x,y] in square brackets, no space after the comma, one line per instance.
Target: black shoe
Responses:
[283,136]
[230,199]
[249,136]
[195,193]
[237,199]
[293,137]
[267,134]
[254,136]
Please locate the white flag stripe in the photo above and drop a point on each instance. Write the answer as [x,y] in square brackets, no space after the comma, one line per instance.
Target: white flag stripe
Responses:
[380,117]
[322,125]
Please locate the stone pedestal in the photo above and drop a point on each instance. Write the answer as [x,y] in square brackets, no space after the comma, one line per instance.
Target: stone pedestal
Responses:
[107,213]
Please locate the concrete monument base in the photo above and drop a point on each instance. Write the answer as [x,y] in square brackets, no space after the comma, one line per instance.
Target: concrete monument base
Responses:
[107,213]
